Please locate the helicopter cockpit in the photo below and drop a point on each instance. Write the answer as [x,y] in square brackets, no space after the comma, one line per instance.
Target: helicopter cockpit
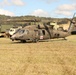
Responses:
[22,31]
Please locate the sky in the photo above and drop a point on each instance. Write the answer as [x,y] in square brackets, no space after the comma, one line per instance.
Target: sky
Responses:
[41,8]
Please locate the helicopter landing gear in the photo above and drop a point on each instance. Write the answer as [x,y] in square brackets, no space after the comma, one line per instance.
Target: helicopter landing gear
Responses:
[65,38]
[23,41]
[35,40]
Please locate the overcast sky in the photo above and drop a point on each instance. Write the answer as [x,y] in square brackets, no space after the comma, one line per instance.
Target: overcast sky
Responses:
[42,8]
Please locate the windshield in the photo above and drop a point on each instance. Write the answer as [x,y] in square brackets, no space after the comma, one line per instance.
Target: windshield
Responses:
[21,31]
[17,31]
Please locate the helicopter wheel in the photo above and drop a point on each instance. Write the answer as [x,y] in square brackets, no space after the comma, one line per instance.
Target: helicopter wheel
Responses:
[35,40]
[65,38]
[23,41]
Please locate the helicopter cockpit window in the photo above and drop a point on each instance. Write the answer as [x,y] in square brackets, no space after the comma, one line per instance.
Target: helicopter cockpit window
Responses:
[21,31]
[26,31]
[17,31]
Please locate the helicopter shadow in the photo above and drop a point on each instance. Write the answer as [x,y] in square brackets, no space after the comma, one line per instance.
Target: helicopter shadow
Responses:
[53,40]
[19,42]
[50,40]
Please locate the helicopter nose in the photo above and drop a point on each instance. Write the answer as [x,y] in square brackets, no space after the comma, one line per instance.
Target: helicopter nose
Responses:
[13,37]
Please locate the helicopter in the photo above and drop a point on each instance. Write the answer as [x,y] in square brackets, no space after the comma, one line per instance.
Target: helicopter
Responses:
[38,32]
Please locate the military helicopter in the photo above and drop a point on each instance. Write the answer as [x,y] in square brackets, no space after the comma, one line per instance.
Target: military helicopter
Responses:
[35,33]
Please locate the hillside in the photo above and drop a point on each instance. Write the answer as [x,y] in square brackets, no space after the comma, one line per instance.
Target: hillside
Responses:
[9,21]
[20,19]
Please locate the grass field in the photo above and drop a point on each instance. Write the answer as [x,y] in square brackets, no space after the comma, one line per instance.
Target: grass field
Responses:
[56,57]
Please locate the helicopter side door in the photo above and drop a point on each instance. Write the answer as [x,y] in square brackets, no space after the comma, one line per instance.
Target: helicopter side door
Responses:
[43,34]
[36,34]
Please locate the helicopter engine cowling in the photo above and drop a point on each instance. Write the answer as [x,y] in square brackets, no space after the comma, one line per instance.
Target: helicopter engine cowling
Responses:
[41,26]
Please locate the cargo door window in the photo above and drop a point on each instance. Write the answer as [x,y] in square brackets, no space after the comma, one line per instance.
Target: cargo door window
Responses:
[43,31]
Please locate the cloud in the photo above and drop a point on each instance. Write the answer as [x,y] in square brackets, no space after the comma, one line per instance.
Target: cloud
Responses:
[49,1]
[40,13]
[66,9]
[6,12]
[12,2]
[4,2]
[65,13]
[18,2]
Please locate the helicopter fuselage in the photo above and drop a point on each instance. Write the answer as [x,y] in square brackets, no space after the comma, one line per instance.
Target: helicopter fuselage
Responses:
[34,33]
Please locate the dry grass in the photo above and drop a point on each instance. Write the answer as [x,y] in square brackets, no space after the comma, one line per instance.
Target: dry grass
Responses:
[56,57]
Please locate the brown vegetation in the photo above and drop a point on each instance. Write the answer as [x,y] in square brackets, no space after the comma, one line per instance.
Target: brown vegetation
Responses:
[56,57]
